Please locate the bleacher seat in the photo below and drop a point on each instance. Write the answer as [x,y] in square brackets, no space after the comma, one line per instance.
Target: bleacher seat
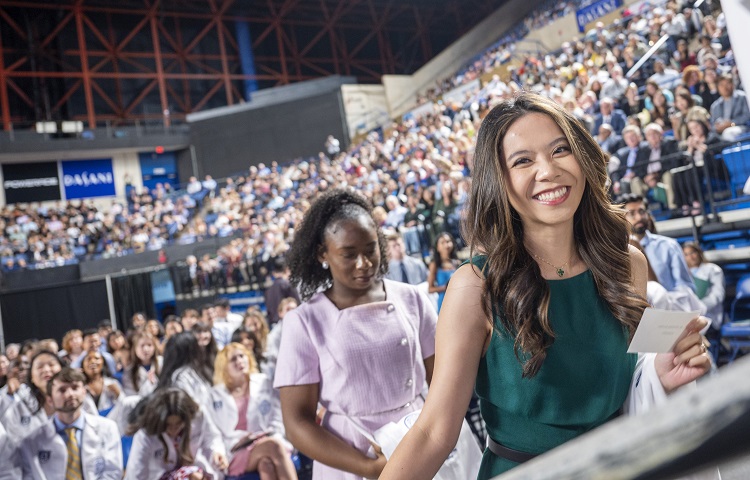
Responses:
[737,332]
[737,160]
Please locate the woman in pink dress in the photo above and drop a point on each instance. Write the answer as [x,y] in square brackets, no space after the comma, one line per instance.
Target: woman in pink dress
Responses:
[361,346]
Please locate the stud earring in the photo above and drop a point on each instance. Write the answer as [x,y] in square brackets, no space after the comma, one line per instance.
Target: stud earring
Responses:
[324,264]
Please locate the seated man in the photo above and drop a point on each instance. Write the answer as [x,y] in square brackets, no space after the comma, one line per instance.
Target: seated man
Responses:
[608,114]
[72,442]
[730,114]
[607,139]
[634,158]
[663,155]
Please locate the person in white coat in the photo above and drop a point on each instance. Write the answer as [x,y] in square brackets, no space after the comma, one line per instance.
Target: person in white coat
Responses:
[102,389]
[709,282]
[173,434]
[184,367]
[30,411]
[247,411]
[48,453]
[142,375]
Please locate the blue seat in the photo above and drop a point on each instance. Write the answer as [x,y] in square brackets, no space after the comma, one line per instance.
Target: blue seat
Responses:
[737,160]
[737,331]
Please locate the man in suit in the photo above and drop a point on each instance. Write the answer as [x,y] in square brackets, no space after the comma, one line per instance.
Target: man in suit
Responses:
[72,444]
[607,139]
[633,163]
[730,114]
[663,155]
[402,267]
[608,114]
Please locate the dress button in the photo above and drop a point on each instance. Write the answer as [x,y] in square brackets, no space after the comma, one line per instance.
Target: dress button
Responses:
[404,341]
[409,382]
[391,308]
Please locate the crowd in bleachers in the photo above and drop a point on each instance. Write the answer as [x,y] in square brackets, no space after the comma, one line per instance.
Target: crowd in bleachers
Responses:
[423,163]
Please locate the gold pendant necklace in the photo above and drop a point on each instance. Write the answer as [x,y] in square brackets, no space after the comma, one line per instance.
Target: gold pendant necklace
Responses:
[560,270]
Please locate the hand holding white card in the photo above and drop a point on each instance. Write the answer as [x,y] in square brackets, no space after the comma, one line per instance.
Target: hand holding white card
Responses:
[659,330]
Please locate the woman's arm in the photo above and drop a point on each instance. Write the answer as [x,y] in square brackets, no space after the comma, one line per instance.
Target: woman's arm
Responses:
[298,406]
[432,278]
[463,335]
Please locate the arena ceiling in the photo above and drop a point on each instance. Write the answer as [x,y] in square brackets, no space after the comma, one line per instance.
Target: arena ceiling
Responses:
[99,60]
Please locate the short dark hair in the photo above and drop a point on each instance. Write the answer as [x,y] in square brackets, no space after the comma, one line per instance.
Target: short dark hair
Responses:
[632,198]
[66,375]
[106,323]
[222,302]
[206,306]
[90,331]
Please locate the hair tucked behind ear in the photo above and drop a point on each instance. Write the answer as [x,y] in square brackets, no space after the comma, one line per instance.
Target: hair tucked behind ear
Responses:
[330,207]
[513,280]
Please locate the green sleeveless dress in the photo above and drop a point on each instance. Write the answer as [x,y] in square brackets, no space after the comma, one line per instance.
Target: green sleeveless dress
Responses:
[582,384]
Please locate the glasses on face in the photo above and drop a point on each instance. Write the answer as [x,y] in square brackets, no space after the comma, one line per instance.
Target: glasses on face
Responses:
[632,213]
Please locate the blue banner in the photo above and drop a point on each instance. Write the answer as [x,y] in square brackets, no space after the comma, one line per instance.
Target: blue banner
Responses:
[88,178]
[595,10]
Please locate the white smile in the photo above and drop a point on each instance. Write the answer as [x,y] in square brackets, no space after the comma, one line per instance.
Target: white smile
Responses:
[553,195]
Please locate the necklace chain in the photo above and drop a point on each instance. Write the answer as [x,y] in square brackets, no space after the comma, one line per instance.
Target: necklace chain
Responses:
[560,270]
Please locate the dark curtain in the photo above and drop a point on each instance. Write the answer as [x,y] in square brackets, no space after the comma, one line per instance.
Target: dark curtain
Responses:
[52,311]
[132,294]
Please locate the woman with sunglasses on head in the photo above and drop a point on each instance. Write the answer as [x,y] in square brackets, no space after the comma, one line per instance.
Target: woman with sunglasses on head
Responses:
[361,345]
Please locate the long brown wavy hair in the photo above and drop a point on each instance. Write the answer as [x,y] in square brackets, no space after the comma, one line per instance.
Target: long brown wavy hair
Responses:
[515,290]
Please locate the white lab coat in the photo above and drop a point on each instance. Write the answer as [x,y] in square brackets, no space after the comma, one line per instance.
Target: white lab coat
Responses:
[146,460]
[20,420]
[106,399]
[144,386]
[263,411]
[194,385]
[6,400]
[44,453]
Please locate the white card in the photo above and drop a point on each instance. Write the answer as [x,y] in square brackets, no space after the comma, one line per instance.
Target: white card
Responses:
[659,330]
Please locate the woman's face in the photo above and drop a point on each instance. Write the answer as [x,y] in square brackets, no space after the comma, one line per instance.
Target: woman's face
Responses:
[4,365]
[444,246]
[145,350]
[76,343]
[172,328]
[204,338]
[93,364]
[544,181]
[695,129]
[252,322]
[152,327]
[710,75]
[238,365]
[352,253]
[691,257]
[248,342]
[174,426]
[116,342]
[681,103]
[43,369]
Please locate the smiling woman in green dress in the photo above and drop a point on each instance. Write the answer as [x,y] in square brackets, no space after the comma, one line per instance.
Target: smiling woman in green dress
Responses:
[540,319]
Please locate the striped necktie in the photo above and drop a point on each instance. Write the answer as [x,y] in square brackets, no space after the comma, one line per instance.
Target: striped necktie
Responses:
[73,469]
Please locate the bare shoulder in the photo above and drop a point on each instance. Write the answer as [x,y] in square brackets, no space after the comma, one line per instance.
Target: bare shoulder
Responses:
[464,297]
[468,276]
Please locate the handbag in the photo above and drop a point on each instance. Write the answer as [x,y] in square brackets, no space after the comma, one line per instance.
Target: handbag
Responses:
[462,463]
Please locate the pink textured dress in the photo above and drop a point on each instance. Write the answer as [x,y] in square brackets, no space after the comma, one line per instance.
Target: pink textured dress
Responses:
[368,360]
